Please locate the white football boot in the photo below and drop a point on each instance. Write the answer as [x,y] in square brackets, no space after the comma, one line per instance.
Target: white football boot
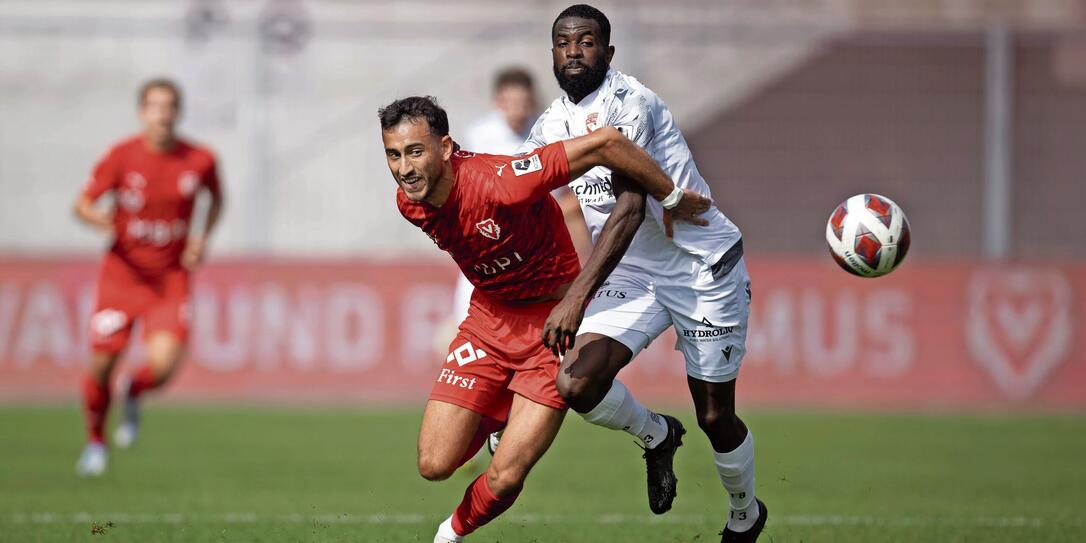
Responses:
[492,442]
[93,461]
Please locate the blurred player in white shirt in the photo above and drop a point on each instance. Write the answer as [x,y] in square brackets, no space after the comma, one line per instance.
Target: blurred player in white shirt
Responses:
[501,132]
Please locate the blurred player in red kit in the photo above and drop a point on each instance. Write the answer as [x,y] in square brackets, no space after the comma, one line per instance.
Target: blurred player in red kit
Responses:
[494,215]
[154,178]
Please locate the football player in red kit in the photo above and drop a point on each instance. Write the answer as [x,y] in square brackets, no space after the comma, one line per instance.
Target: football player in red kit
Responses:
[154,178]
[494,215]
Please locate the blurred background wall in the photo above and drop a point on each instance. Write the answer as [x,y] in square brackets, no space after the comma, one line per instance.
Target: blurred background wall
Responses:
[971,114]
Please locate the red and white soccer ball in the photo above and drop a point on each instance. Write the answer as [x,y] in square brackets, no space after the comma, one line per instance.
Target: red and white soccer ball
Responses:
[868,235]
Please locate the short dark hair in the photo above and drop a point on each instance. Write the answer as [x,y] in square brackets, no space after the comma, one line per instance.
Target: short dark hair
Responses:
[586,11]
[159,83]
[412,108]
[513,76]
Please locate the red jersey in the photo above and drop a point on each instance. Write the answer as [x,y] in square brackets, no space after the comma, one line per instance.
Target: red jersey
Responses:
[500,223]
[154,193]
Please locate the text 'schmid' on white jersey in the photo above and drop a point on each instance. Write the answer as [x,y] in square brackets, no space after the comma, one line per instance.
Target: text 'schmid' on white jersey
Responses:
[623,102]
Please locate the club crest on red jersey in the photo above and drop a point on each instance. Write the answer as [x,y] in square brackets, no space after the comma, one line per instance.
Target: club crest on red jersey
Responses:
[489,228]
[187,183]
[590,122]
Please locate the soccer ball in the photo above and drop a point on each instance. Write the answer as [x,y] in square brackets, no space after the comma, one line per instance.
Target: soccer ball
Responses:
[868,235]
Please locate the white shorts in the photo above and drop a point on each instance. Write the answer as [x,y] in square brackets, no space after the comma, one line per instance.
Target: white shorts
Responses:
[709,316]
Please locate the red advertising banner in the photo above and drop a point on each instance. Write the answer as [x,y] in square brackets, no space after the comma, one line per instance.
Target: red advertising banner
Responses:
[930,335]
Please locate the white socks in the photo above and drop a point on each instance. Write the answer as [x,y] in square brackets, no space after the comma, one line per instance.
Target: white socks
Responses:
[736,470]
[619,410]
[445,533]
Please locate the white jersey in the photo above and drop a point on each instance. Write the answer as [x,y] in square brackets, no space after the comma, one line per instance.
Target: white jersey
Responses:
[623,102]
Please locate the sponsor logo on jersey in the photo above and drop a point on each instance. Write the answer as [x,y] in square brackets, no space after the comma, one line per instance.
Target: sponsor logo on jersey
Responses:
[135,179]
[498,265]
[465,354]
[158,232]
[709,333]
[610,293]
[500,167]
[489,228]
[130,199]
[727,351]
[450,377]
[107,322]
[187,183]
[527,165]
[600,187]
[130,196]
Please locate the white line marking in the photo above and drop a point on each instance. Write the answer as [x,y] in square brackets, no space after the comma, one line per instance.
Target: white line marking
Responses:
[601,519]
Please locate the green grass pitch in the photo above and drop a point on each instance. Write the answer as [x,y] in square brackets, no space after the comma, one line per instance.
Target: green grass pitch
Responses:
[346,474]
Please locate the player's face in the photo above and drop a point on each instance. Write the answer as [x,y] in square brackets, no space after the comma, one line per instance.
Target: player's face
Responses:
[158,113]
[517,105]
[581,60]
[416,157]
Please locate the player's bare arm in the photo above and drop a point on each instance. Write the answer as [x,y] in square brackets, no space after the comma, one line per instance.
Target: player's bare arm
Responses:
[607,147]
[98,218]
[560,330]
[197,244]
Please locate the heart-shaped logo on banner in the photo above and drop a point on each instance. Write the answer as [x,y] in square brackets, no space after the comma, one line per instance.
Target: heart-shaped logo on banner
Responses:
[1018,326]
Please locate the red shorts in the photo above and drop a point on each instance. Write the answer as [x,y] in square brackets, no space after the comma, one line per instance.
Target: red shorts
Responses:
[499,352]
[124,295]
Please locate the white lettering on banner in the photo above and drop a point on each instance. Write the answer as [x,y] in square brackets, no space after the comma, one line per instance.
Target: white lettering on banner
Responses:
[884,316]
[9,304]
[45,330]
[1018,326]
[836,333]
[773,337]
[355,326]
[423,310]
[287,327]
[832,357]
[223,347]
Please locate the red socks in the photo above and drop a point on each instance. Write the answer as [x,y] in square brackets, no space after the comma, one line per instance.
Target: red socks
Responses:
[143,379]
[479,507]
[95,408]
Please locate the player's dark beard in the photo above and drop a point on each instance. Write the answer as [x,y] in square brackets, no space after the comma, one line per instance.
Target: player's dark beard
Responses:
[577,86]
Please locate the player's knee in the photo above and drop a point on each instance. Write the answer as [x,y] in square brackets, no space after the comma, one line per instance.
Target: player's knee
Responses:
[434,469]
[716,420]
[506,480]
[101,366]
[581,394]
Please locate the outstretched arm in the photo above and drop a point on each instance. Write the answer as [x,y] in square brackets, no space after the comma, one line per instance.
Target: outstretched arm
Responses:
[607,147]
[560,329]
[100,219]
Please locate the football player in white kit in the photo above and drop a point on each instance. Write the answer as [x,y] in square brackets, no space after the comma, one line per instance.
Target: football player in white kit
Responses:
[683,275]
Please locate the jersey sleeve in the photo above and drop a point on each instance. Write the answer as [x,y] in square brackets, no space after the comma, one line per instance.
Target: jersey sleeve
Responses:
[531,176]
[104,177]
[633,116]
